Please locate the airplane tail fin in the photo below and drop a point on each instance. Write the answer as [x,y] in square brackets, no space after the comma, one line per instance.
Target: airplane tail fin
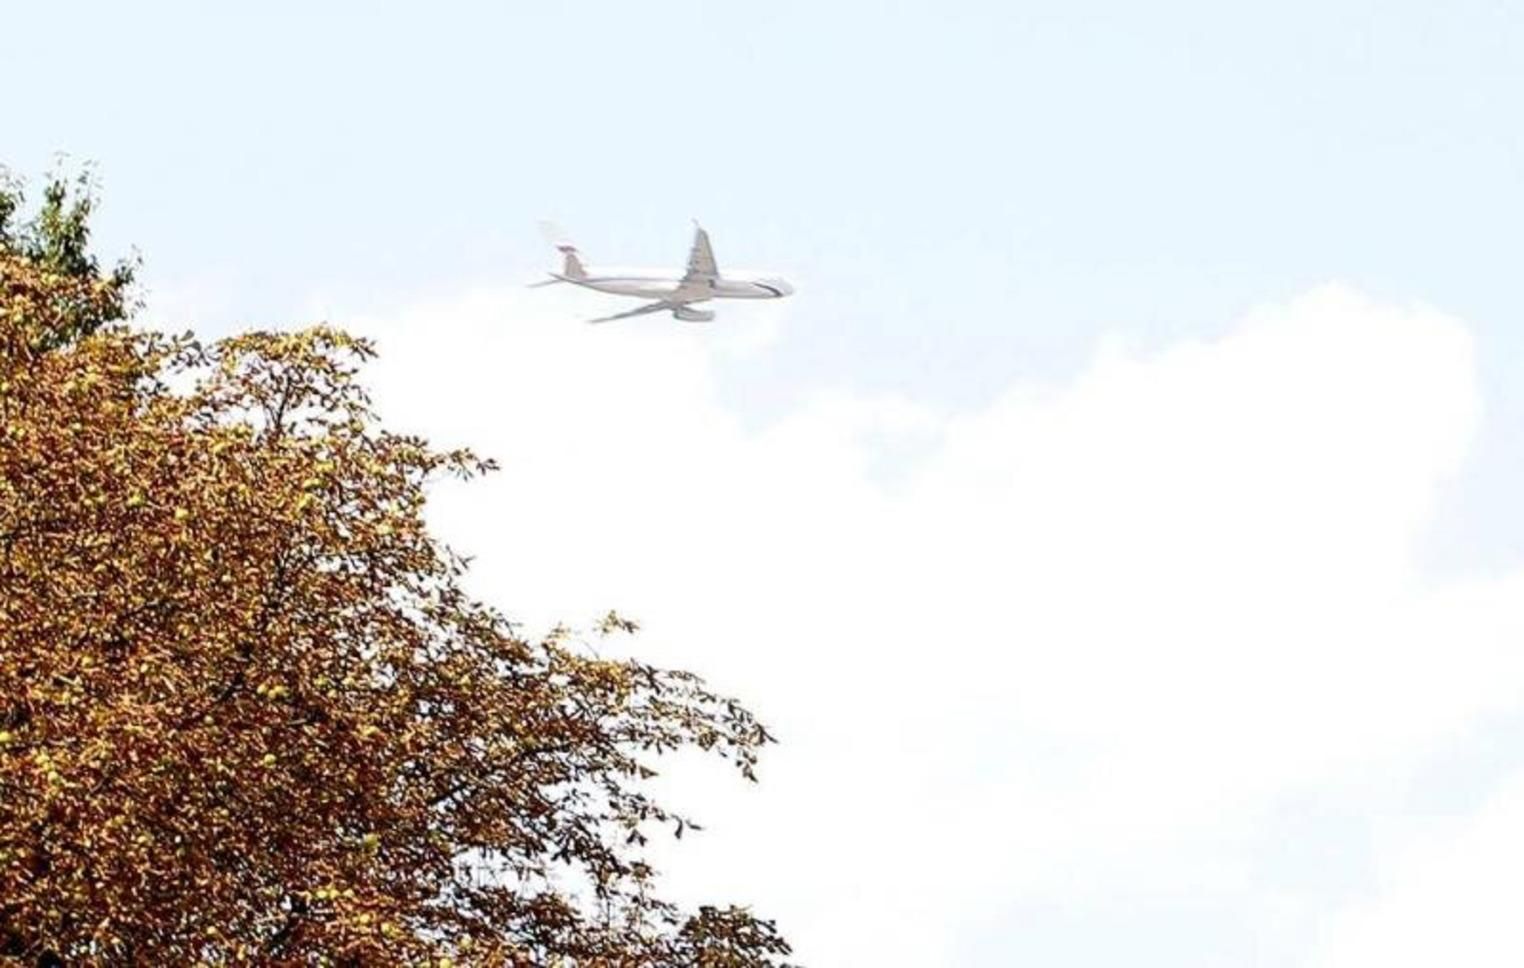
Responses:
[571,262]
[571,259]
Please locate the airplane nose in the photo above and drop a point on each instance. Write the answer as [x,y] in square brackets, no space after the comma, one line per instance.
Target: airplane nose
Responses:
[784,289]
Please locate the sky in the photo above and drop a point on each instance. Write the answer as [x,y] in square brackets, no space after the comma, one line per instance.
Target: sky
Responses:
[1118,526]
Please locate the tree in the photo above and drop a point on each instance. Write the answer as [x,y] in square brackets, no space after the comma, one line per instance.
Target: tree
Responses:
[247,713]
[56,239]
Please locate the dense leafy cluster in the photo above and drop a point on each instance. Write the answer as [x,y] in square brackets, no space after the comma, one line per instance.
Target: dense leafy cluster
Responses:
[56,239]
[247,714]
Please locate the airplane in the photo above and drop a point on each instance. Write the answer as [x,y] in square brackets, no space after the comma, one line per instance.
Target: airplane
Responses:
[700,283]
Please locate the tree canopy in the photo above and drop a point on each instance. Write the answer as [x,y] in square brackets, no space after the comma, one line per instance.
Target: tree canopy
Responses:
[56,240]
[248,715]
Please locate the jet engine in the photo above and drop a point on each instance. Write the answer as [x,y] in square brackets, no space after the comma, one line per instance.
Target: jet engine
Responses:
[690,315]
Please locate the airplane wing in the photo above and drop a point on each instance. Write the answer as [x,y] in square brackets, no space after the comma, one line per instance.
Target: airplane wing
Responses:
[655,307]
[701,267]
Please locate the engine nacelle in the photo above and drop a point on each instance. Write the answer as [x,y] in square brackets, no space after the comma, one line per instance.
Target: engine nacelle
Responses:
[690,315]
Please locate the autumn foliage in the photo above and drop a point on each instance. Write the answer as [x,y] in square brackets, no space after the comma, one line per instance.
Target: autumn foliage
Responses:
[247,714]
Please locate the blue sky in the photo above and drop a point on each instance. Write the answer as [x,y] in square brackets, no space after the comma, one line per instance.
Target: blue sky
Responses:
[971,198]
[971,192]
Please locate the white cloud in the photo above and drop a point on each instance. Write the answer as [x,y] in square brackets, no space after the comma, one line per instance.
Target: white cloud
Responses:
[1071,649]
[1450,896]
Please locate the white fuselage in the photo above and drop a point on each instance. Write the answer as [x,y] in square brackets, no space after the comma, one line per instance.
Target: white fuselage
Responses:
[652,285]
[701,281]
